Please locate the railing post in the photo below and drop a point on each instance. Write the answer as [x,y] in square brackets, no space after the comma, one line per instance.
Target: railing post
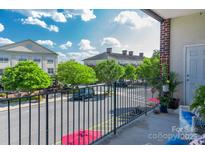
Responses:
[9,122]
[115,109]
[145,85]
[47,124]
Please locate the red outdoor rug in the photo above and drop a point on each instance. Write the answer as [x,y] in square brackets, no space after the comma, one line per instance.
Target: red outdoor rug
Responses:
[154,100]
[81,137]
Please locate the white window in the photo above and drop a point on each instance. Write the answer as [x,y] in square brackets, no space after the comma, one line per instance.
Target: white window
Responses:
[23,58]
[4,60]
[50,61]
[37,60]
[50,71]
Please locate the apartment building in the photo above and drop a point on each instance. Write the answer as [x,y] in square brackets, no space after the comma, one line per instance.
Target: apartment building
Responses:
[124,58]
[11,54]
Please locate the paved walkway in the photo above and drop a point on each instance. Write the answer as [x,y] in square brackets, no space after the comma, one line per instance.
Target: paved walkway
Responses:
[151,129]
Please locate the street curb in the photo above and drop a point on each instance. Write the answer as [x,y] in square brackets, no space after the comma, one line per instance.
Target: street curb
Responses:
[2,109]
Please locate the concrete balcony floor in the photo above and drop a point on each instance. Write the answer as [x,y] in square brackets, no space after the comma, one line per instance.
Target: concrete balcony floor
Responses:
[152,129]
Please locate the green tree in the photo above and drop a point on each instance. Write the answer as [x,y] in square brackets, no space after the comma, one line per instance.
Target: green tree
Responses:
[74,73]
[149,70]
[25,76]
[130,72]
[156,54]
[109,71]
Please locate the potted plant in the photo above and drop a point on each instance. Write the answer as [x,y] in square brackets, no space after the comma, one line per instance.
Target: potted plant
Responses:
[199,106]
[164,96]
[173,83]
[164,101]
[199,102]
[164,79]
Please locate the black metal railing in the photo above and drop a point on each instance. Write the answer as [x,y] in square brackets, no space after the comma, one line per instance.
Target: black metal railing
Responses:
[71,116]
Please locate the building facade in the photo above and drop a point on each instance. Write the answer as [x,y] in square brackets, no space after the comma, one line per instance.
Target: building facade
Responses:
[123,59]
[182,48]
[11,54]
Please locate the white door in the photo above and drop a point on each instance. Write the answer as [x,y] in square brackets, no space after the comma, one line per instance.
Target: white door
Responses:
[195,70]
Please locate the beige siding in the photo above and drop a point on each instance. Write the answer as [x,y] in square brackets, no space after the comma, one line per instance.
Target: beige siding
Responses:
[185,30]
[122,62]
[92,62]
[14,59]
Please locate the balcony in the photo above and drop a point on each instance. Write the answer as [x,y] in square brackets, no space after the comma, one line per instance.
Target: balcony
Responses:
[72,116]
[154,129]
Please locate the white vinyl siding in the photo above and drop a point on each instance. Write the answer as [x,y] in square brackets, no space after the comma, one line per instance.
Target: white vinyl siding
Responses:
[186,30]
[11,55]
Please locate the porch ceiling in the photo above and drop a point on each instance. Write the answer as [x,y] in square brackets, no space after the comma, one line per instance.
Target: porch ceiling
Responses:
[173,13]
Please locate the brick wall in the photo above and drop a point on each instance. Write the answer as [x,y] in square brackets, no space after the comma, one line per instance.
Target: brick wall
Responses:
[165,43]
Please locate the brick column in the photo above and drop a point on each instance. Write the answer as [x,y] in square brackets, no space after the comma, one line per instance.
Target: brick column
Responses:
[165,43]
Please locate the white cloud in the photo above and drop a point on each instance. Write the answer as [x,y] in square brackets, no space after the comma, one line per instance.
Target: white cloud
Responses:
[4,41]
[35,17]
[53,28]
[85,45]
[54,14]
[1,27]
[67,45]
[85,14]
[77,56]
[111,41]
[46,42]
[58,16]
[36,21]
[62,57]
[133,20]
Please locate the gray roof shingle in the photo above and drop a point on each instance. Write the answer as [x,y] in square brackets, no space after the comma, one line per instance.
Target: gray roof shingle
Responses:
[26,46]
[118,56]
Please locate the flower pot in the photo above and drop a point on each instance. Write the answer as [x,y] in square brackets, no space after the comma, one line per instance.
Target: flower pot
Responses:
[163,109]
[174,103]
[165,88]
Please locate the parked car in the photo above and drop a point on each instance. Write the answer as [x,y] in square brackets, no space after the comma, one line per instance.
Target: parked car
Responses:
[122,83]
[84,93]
[1,87]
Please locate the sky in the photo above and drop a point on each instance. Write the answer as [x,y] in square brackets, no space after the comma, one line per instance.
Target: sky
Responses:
[79,34]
